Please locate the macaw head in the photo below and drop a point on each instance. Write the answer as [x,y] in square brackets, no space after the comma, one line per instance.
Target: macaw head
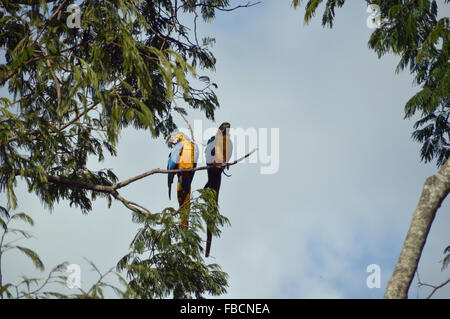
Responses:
[224,128]
[174,139]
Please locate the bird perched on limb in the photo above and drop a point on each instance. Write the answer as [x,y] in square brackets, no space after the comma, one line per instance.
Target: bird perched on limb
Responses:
[218,151]
[184,155]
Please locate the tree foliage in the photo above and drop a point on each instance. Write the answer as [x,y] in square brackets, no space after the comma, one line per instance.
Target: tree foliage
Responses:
[433,131]
[5,223]
[446,259]
[167,259]
[73,90]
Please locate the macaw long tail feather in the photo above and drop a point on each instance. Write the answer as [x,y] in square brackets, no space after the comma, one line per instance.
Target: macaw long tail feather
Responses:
[169,182]
[208,232]
[214,179]
[184,199]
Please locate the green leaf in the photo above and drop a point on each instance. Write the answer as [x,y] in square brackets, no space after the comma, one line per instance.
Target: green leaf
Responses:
[23,217]
[446,260]
[33,256]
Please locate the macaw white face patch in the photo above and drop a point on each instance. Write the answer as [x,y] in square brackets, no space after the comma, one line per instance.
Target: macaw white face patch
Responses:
[172,141]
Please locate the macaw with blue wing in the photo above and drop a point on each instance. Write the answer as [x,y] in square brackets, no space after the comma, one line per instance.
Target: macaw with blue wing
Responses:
[184,155]
[218,151]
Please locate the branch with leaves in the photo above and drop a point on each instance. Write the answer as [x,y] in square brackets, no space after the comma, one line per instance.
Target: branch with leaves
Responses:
[113,189]
[5,220]
[167,260]
[73,91]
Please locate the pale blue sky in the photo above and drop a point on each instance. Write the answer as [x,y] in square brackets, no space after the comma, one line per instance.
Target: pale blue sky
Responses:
[349,177]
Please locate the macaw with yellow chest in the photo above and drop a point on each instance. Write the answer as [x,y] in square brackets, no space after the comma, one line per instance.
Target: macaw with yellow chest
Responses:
[184,155]
[218,151]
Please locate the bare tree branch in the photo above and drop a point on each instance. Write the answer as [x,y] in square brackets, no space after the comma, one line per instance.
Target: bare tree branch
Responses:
[77,184]
[131,205]
[435,190]
[112,189]
[248,5]
[167,171]
[218,7]
[435,288]
[179,110]
[438,287]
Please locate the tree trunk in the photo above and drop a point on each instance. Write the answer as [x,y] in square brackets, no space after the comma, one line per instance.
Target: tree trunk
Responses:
[435,190]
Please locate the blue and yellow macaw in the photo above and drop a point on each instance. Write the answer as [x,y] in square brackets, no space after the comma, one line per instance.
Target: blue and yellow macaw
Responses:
[184,155]
[218,150]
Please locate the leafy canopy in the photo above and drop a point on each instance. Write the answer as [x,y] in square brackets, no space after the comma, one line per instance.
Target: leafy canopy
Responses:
[167,260]
[71,93]
[74,89]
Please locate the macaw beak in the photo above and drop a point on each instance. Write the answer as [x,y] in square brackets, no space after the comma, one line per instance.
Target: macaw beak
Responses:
[225,128]
[172,141]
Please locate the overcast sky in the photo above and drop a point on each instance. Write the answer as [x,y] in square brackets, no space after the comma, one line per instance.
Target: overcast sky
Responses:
[349,175]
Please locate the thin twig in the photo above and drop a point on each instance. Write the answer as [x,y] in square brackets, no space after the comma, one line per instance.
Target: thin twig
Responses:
[248,5]
[131,205]
[435,288]
[78,117]
[178,109]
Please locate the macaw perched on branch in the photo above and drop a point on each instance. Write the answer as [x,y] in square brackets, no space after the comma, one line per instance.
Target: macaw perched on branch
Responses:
[183,155]
[218,150]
